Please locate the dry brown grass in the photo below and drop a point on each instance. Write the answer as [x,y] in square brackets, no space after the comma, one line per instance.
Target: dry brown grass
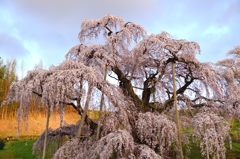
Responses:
[35,124]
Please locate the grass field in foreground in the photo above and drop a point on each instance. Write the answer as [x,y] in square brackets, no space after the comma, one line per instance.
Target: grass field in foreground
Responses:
[18,149]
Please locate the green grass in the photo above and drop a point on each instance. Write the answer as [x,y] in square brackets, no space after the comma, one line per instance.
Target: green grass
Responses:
[235,130]
[195,152]
[231,154]
[19,149]
[235,152]
[22,149]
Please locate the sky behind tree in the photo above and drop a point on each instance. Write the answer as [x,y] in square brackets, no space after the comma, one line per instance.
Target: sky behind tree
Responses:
[43,30]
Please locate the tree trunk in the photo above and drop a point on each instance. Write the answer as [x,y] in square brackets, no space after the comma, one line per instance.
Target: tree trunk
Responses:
[100,113]
[83,117]
[179,142]
[46,133]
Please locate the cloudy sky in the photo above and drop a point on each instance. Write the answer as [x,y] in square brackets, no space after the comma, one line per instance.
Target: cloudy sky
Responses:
[34,31]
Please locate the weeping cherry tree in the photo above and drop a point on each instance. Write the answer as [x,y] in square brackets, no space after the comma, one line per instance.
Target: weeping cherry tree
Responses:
[118,66]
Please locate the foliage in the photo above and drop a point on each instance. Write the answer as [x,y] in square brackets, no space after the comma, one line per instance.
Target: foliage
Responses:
[156,131]
[117,144]
[212,130]
[144,152]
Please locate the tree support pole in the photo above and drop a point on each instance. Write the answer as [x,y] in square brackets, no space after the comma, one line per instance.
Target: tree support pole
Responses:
[179,142]
[46,133]
[83,117]
[100,114]
[101,107]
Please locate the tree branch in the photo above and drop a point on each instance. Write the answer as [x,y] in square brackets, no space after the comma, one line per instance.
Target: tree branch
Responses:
[126,86]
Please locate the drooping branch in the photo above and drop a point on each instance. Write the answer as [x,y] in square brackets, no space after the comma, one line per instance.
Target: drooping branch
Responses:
[78,109]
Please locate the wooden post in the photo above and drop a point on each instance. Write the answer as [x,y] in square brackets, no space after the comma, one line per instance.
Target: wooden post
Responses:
[207,149]
[83,117]
[100,113]
[46,133]
[101,107]
[179,142]
[229,137]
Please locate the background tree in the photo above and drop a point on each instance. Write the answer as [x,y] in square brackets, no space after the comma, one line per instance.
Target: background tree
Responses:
[138,89]
[7,76]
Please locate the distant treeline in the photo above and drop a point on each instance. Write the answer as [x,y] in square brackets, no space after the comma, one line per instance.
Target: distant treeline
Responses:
[7,76]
